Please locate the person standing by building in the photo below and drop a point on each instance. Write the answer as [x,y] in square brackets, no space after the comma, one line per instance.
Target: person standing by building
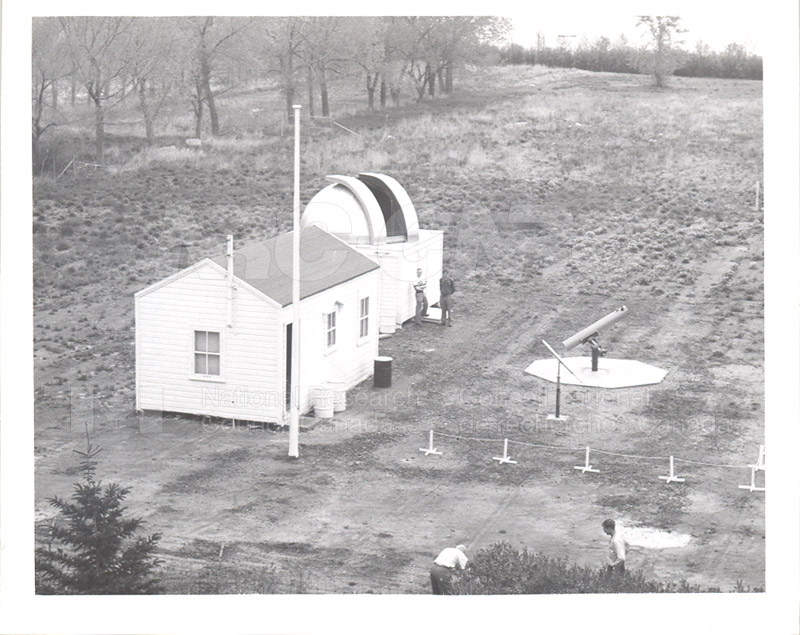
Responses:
[422,301]
[615,560]
[446,290]
[450,560]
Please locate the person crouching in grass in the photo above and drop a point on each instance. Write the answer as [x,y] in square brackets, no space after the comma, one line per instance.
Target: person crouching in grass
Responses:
[615,559]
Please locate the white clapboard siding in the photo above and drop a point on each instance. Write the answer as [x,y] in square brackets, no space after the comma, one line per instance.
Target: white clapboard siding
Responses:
[388,258]
[168,313]
[399,262]
[425,253]
[351,360]
[390,268]
[388,294]
[434,255]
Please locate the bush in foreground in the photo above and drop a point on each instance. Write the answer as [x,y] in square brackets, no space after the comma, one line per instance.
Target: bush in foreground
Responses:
[92,549]
[501,569]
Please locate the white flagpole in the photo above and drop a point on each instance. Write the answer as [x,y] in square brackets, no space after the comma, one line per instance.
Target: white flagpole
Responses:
[294,421]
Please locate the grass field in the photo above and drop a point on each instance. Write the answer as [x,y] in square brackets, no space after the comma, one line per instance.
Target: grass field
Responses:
[563,194]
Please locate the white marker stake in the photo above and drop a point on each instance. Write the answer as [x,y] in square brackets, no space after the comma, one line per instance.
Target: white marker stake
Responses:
[752,487]
[586,467]
[761,461]
[505,458]
[430,449]
[760,464]
[672,477]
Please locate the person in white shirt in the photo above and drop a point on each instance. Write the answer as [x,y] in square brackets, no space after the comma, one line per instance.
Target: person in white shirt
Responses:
[444,566]
[422,300]
[615,560]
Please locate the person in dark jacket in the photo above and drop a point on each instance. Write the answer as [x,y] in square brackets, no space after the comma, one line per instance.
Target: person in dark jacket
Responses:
[446,290]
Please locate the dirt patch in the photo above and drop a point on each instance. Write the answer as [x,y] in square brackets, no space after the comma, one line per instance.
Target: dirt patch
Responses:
[649,538]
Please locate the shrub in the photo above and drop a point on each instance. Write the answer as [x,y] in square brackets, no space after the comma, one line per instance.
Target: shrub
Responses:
[95,551]
[501,569]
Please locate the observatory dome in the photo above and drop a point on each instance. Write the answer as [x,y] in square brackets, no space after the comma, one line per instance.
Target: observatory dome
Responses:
[370,209]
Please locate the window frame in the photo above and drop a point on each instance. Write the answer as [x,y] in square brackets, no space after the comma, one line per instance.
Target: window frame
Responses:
[363,318]
[193,374]
[330,329]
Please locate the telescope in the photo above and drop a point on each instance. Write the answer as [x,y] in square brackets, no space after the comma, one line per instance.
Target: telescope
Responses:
[590,333]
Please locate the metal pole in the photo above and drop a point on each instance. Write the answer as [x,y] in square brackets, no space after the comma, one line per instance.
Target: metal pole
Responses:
[294,421]
[229,281]
[558,392]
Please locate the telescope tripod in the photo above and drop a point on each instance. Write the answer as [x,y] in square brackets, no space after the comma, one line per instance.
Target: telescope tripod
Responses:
[560,363]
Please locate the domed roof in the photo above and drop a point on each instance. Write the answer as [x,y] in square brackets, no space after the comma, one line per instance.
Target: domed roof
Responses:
[370,209]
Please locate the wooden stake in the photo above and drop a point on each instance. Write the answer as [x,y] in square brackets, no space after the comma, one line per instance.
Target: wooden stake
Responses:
[430,449]
[586,467]
[760,464]
[505,458]
[672,477]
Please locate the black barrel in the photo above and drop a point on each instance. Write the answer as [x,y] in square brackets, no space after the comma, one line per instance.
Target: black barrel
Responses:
[383,372]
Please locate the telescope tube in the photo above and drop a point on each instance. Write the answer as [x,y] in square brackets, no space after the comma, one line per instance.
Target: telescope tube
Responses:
[594,329]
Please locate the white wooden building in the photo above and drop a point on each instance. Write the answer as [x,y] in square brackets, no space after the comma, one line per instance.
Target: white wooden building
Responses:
[215,338]
[373,213]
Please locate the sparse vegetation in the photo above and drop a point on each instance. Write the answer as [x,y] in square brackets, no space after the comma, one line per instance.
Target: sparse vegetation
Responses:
[502,569]
[561,193]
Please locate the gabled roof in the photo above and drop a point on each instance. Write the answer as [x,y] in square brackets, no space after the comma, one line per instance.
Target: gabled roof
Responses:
[325,261]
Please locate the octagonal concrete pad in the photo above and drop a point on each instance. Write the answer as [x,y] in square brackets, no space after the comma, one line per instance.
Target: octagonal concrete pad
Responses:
[611,373]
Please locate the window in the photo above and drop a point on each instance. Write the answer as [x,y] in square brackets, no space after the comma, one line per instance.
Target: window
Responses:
[363,319]
[206,353]
[330,329]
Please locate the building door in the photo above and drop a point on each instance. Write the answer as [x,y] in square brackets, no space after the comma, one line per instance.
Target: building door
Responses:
[288,366]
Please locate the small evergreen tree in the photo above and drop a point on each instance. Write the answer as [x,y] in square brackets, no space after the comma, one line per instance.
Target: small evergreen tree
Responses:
[95,551]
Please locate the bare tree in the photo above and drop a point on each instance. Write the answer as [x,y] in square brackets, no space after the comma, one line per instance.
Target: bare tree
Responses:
[432,46]
[540,46]
[661,57]
[395,62]
[458,39]
[368,51]
[153,67]
[411,37]
[96,47]
[327,51]
[601,47]
[213,41]
[50,63]
[281,42]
